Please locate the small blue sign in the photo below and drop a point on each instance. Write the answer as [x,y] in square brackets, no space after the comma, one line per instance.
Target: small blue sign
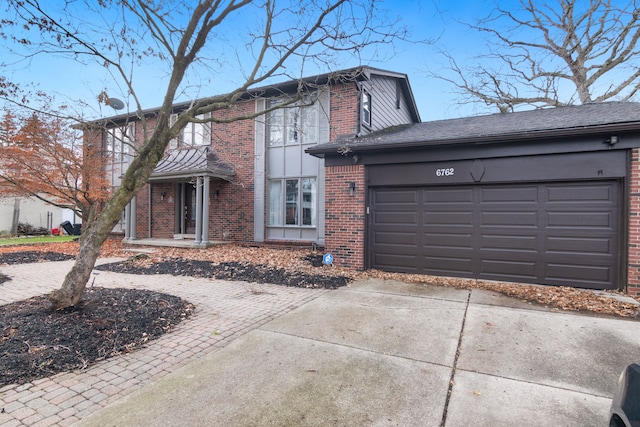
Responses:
[327,259]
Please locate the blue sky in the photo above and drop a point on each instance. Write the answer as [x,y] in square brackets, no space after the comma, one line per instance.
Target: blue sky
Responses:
[426,19]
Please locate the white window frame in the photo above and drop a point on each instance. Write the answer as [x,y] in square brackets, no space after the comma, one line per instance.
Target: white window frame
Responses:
[120,142]
[295,124]
[366,108]
[292,209]
[194,134]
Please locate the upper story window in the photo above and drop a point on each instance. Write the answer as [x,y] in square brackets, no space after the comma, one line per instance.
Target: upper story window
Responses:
[194,134]
[120,142]
[366,108]
[294,124]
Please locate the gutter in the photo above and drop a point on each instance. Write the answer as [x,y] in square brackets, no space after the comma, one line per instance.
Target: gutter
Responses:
[353,145]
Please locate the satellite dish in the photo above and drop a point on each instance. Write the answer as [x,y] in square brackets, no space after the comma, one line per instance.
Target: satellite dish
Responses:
[115,103]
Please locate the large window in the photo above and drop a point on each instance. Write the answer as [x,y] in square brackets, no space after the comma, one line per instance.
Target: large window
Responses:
[194,134]
[120,142]
[293,124]
[292,202]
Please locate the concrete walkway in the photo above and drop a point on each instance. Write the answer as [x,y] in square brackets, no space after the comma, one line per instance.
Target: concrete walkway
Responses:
[378,353]
[224,311]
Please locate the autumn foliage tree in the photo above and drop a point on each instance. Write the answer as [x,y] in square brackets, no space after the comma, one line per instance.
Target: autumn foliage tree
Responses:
[42,156]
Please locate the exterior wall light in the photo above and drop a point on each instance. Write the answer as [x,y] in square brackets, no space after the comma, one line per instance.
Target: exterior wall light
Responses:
[352,188]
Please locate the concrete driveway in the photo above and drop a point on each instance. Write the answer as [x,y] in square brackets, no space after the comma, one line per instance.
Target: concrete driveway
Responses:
[384,353]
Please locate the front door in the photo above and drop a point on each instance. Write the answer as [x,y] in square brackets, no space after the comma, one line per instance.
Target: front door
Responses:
[187,220]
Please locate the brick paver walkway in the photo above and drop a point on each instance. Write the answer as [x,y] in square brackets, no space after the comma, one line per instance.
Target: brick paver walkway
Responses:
[224,311]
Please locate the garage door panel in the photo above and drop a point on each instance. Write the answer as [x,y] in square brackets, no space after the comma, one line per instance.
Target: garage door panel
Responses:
[396,238]
[393,198]
[396,262]
[396,218]
[460,219]
[449,266]
[527,195]
[446,239]
[509,219]
[448,252]
[593,276]
[509,242]
[579,246]
[498,269]
[581,219]
[548,233]
[448,196]
[570,194]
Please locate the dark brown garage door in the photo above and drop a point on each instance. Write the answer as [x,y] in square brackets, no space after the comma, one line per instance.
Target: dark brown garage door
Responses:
[549,233]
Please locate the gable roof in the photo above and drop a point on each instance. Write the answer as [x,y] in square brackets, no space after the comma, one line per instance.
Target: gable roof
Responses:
[291,86]
[190,162]
[543,123]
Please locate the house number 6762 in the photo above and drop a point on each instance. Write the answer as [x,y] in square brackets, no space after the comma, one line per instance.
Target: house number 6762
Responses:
[445,172]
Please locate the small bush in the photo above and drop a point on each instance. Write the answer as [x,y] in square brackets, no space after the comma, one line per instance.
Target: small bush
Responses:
[25,229]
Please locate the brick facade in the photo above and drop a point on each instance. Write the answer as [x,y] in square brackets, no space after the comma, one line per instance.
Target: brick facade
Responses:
[633,254]
[345,215]
[343,110]
[231,209]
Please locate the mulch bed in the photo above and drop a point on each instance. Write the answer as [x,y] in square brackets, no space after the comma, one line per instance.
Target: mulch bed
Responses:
[228,271]
[32,256]
[37,342]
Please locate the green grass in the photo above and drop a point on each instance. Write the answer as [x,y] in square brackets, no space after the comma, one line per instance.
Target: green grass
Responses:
[35,239]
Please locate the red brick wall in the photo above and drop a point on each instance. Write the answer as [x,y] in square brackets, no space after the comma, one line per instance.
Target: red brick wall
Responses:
[343,110]
[231,211]
[633,262]
[231,203]
[345,215]
[162,209]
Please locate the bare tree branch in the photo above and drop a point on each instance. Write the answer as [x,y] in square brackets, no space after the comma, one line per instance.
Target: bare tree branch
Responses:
[182,38]
[547,54]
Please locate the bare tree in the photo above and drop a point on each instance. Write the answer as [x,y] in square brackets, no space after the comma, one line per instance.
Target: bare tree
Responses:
[553,53]
[190,40]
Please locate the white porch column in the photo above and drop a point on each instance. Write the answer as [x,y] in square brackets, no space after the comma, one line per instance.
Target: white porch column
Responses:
[134,218]
[198,210]
[205,211]
[127,215]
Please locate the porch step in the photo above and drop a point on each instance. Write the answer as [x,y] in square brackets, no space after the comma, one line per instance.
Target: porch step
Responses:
[139,250]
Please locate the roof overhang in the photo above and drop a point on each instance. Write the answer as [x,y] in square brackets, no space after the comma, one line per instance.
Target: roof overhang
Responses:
[184,164]
[549,124]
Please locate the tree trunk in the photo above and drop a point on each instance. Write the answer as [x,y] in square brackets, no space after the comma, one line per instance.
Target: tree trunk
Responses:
[76,280]
[96,231]
[16,217]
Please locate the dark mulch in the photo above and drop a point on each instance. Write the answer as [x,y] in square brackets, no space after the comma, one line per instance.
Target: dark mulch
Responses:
[32,256]
[36,341]
[228,271]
